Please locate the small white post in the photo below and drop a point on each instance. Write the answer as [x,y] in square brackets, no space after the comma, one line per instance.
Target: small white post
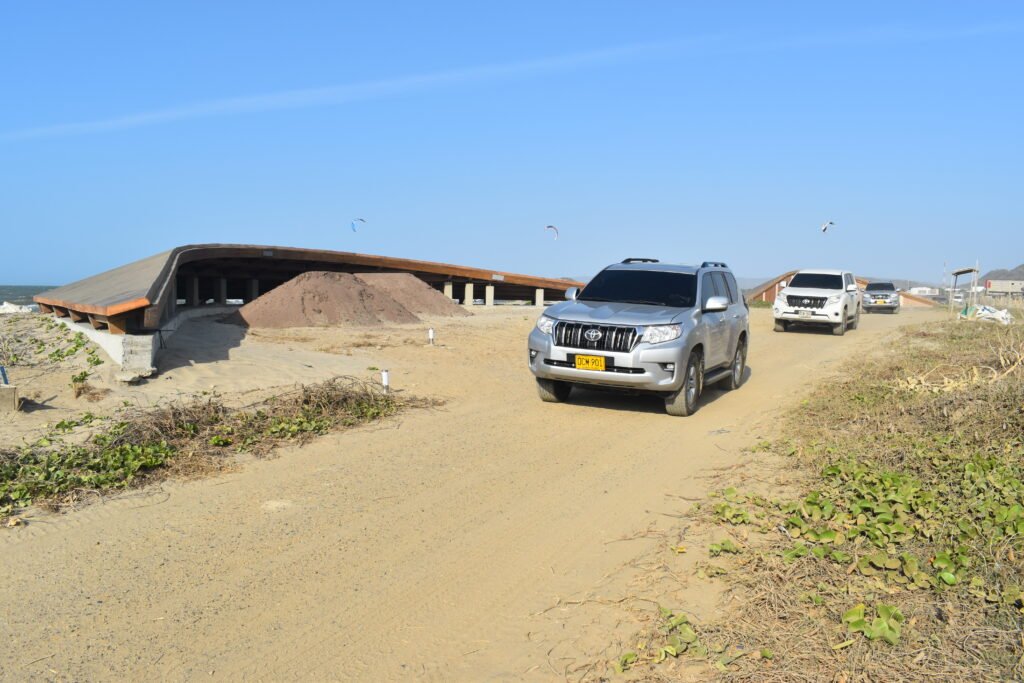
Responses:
[385,381]
[430,336]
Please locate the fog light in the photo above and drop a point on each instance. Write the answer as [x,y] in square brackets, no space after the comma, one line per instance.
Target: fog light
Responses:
[533,354]
[671,367]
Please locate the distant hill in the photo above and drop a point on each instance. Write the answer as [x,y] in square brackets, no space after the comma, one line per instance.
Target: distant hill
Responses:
[1003,274]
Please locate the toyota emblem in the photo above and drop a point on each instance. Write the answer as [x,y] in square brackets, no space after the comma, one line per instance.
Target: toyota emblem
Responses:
[807,301]
[592,335]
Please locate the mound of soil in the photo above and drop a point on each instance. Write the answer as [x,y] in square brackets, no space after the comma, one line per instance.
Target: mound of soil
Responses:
[413,293]
[320,298]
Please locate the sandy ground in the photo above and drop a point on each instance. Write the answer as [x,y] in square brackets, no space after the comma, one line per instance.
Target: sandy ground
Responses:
[429,546]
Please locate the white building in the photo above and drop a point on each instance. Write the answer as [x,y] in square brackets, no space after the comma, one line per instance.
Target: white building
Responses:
[1005,287]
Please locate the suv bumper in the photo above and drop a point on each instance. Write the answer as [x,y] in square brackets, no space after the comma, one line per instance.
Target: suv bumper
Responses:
[829,315]
[648,367]
[880,306]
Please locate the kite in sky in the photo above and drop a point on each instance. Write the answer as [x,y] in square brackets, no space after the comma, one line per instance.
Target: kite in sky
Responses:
[551,227]
[357,220]
[825,226]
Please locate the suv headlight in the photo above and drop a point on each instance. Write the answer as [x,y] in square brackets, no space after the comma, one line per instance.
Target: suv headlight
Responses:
[780,300]
[656,334]
[545,324]
[834,299]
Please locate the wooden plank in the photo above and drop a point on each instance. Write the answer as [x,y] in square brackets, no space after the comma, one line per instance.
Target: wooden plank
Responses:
[118,324]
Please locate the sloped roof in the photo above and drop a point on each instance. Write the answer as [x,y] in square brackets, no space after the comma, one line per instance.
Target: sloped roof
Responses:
[148,282]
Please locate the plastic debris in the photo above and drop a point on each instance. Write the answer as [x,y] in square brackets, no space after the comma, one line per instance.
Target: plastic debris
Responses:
[987,313]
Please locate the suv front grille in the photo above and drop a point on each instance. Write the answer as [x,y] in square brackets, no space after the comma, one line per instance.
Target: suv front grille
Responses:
[806,301]
[612,337]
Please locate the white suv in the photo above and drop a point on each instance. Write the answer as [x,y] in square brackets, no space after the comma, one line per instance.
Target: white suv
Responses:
[819,297]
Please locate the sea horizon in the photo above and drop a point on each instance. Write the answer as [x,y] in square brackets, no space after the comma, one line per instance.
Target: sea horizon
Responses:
[21,294]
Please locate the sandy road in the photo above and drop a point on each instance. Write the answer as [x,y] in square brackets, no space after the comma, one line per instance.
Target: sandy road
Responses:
[422,548]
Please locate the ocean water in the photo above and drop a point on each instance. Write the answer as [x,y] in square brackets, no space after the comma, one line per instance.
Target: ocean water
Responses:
[20,294]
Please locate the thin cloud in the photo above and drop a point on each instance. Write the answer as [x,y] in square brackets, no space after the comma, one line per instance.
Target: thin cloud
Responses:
[341,94]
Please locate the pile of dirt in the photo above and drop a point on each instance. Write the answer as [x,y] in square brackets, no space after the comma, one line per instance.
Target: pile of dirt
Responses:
[415,294]
[321,298]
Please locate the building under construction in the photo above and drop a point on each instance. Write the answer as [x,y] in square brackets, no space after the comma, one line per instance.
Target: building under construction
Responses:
[127,309]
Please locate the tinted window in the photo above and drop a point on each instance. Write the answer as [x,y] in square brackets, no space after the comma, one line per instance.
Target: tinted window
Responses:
[880,287]
[722,287]
[734,291]
[817,281]
[707,289]
[657,288]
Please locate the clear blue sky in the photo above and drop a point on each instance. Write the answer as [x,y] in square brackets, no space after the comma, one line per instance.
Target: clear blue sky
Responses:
[459,130]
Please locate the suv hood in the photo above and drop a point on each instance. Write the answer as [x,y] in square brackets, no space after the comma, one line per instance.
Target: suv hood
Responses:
[611,313]
[809,291]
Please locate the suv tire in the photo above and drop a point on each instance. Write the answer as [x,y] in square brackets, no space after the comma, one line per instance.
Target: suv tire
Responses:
[738,367]
[856,320]
[553,391]
[684,402]
[780,325]
[839,329]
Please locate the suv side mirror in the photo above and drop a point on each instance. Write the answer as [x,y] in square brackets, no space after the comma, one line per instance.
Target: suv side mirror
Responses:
[851,288]
[572,293]
[716,303]
[782,284]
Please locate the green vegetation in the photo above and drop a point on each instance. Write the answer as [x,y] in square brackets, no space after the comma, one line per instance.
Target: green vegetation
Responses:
[760,304]
[902,552]
[181,437]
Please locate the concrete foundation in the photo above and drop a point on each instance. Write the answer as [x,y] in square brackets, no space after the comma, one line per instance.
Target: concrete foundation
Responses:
[9,402]
[467,297]
[489,295]
[137,353]
[449,290]
[538,297]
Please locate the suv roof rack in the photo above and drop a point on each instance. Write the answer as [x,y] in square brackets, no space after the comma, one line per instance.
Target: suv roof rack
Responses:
[713,264]
[640,260]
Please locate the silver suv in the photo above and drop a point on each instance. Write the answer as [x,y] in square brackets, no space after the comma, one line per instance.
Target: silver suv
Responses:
[881,296]
[645,326]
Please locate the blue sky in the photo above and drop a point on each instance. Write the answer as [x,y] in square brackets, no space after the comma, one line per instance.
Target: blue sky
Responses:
[677,130]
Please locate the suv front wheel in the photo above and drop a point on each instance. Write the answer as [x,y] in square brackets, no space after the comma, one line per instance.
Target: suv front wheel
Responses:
[839,329]
[553,391]
[684,402]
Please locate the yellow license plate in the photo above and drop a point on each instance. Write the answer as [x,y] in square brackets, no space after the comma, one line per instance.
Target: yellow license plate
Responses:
[590,362]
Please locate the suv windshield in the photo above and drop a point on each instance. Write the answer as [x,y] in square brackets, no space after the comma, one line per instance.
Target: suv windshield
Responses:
[817,281]
[880,287]
[653,287]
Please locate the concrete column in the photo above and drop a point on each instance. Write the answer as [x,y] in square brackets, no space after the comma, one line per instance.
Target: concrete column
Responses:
[489,295]
[172,303]
[467,296]
[448,290]
[192,291]
[222,291]
[253,289]
[538,297]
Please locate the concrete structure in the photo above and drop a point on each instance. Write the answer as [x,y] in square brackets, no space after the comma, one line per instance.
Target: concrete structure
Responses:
[149,298]
[9,402]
